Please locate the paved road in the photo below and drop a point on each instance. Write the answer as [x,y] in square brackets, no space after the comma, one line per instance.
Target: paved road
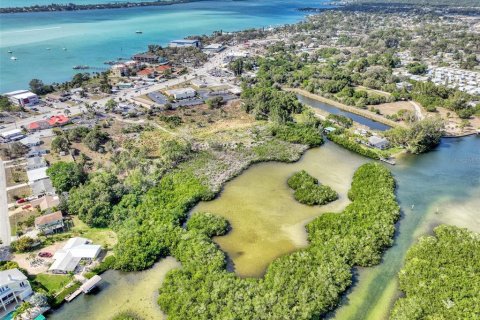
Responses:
[5,233]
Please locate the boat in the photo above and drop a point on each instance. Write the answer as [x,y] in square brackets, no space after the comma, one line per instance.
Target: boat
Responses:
[13,58]
[80,67]
[64,49]
[138,32]
[10,51]
[48,48]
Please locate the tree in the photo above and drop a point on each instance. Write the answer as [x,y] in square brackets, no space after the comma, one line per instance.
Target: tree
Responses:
[17,150]
[38,87]
[110,105]
[420,137]
[5,104]
[23,244]
[94,200]
[214,102]
[60,143]
[417,68]
[66,175]
[95,139]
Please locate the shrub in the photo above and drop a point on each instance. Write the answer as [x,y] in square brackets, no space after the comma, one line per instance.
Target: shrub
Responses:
[308,191]
[208,224]
[298,133]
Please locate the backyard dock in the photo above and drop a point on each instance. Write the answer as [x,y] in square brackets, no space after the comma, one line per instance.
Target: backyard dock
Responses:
[86,287]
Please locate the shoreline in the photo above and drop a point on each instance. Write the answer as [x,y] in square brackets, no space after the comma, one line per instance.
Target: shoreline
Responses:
[82,7]
[344,107]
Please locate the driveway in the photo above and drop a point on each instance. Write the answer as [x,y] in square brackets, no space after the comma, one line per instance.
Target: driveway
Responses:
[5,232]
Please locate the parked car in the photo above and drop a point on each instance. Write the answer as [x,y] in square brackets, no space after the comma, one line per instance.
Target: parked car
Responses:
[22,200]
[27,206]
[45,254]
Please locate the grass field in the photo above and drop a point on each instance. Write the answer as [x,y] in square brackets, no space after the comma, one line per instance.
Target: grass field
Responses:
[53,283]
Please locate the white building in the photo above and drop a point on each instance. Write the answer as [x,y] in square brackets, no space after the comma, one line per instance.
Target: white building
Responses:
[30,141]
[22,98]
[185,43]
[13,135]
[74,251]
[37,174]
[214,48]
[183,93]
[14,287]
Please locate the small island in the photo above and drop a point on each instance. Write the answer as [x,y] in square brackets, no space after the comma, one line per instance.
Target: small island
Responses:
[309,191]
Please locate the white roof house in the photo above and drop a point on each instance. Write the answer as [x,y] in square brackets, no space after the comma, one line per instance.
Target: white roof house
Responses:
[14,287]
[76,249]
[37,174]
[377,142]
[30,141]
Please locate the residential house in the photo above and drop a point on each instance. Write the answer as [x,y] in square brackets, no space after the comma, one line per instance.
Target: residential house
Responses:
[35,163]
[30,141]
[36,151]
[378,142]
[42,187]
[37,174]
[75,250]
[46,203]
[14,287]
[119,70]
[50,223]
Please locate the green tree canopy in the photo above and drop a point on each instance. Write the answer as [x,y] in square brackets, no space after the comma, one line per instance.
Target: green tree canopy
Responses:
[66,175]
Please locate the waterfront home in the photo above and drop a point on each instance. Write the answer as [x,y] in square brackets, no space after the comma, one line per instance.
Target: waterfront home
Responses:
[37,174]
[50,223]
[185,43]
[42,187]
[75,250]
[12,135]
[146,73]
[119,70]
[183,93]
[35,163]
[22,98]
[14,287]
[377,142]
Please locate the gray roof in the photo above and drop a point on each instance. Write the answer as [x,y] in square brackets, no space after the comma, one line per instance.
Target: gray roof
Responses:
[42,187]
[35,162]
[10,276]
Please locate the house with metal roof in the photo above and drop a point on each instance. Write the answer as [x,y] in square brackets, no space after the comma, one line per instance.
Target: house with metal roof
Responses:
[50,223]
[75,250]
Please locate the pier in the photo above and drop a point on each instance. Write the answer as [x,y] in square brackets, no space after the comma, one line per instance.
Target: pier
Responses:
[86,287]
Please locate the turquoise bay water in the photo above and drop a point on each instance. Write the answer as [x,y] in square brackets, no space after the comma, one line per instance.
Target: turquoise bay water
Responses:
[94,36]
[28,3]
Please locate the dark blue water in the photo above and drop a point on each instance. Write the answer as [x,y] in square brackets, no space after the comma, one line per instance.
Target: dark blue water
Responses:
[334,110]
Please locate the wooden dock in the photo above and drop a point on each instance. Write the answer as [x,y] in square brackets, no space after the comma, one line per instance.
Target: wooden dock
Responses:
[85,288]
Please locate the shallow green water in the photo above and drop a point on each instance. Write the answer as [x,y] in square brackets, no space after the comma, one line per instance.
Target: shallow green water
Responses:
[266,220]
[120,291]
[442,186]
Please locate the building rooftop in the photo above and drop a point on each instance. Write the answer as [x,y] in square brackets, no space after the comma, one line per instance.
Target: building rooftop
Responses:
[37,174]
[48,218]
[11,275]
[67,259]
[43,186]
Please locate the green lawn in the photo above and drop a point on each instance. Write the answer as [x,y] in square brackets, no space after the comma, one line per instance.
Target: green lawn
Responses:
[53,283]
[102,236]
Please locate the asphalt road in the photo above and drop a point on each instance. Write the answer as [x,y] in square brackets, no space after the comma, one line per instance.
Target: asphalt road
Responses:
[5,233]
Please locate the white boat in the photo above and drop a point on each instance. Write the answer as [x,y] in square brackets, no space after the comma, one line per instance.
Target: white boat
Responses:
[64,49]
[138,32]
[48,48]
[10,51]
[13,58]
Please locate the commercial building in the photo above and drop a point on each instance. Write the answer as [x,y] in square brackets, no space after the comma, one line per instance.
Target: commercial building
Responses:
[183,93]
[145,57]
[214,48]
[185,43]
[119,70]
[14,287]
[75,250]
[13,135]
[23,98]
